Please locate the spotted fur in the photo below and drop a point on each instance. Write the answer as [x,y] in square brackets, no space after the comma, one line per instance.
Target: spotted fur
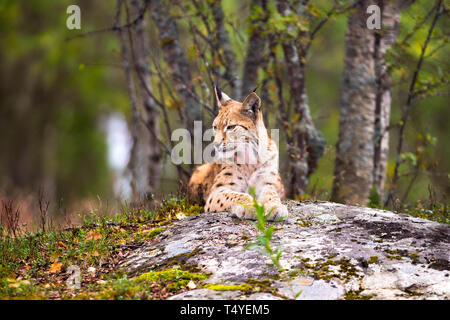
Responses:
[245,157]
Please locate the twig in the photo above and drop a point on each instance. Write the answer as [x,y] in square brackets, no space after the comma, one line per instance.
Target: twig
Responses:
[409,101]
[115,27]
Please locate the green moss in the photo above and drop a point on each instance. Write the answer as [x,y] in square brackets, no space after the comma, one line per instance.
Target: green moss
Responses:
[176,286]
[224,287]
[322,270]
[296,273]
[414,257]
[356,295]
[261,285]
[169,275]
[393,254]
[303,223]
[154,232]
[373,259]
[181,259]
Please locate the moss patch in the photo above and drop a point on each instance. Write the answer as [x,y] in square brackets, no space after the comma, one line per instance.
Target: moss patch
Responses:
[340,269]
[303,223]
[169,275]
[373,259]
[356,295]
[224,287]
[35,265]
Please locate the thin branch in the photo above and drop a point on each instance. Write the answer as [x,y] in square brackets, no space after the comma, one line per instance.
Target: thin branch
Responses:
[407,108]
[115,27]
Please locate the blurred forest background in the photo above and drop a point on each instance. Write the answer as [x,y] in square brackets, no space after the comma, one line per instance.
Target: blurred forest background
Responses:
[86,115]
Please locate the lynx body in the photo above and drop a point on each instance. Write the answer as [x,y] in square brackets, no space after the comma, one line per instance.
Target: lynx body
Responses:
[245,157]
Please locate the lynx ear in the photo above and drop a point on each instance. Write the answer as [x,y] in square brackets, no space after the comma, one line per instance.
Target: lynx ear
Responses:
[221,97]
[251,104]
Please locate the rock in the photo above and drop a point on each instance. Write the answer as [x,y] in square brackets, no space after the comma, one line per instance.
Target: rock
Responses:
[330,251]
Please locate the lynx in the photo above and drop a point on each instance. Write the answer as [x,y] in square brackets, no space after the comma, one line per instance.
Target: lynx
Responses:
[245,157]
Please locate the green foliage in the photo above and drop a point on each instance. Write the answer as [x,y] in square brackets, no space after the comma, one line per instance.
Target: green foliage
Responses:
[66,86]
[374,198]
[29,257]
[56,93]
[433,211]
[262,245]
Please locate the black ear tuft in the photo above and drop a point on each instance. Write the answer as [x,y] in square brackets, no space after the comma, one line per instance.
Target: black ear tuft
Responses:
[254,90]
[219,93]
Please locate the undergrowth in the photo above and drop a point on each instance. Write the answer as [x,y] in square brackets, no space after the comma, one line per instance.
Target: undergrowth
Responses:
[33,265]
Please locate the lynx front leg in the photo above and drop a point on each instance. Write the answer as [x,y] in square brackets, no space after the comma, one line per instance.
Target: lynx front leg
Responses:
[272,203]
[238,203]
[268,193]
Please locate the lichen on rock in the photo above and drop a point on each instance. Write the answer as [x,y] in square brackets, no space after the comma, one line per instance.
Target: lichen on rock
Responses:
[330,251]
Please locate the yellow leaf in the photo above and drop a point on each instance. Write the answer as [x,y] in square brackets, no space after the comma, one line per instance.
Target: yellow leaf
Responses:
[55,267]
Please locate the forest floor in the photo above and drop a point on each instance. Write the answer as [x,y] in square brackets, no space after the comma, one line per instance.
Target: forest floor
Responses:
[45,265]
[37,265]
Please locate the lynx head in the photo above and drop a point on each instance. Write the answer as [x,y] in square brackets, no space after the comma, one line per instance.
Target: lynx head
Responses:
[239,129]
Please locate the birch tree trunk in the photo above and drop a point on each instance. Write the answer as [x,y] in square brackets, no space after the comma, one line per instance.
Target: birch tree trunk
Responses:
[149,153]
[383,41]
[363,145]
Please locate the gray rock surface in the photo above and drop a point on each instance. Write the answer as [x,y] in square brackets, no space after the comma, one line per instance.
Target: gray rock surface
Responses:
[330,251]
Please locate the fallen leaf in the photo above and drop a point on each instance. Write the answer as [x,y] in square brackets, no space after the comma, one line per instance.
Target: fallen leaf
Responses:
[180,215]
[55,267]
[62,244]
[191,285]
[93,236]
[91,270]
[95,254]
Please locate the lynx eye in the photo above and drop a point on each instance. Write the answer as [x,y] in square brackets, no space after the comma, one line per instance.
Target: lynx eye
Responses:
[214,127]
[231,127]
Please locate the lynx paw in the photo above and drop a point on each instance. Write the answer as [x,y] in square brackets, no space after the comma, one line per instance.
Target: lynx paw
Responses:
[279,211]
[243,212]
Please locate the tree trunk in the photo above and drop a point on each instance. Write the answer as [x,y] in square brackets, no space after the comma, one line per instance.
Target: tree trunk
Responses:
[134,124]
[308,144]
[383,41]
[223,42]
[255,52]
[176,61]
[362,148]
[151,153]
